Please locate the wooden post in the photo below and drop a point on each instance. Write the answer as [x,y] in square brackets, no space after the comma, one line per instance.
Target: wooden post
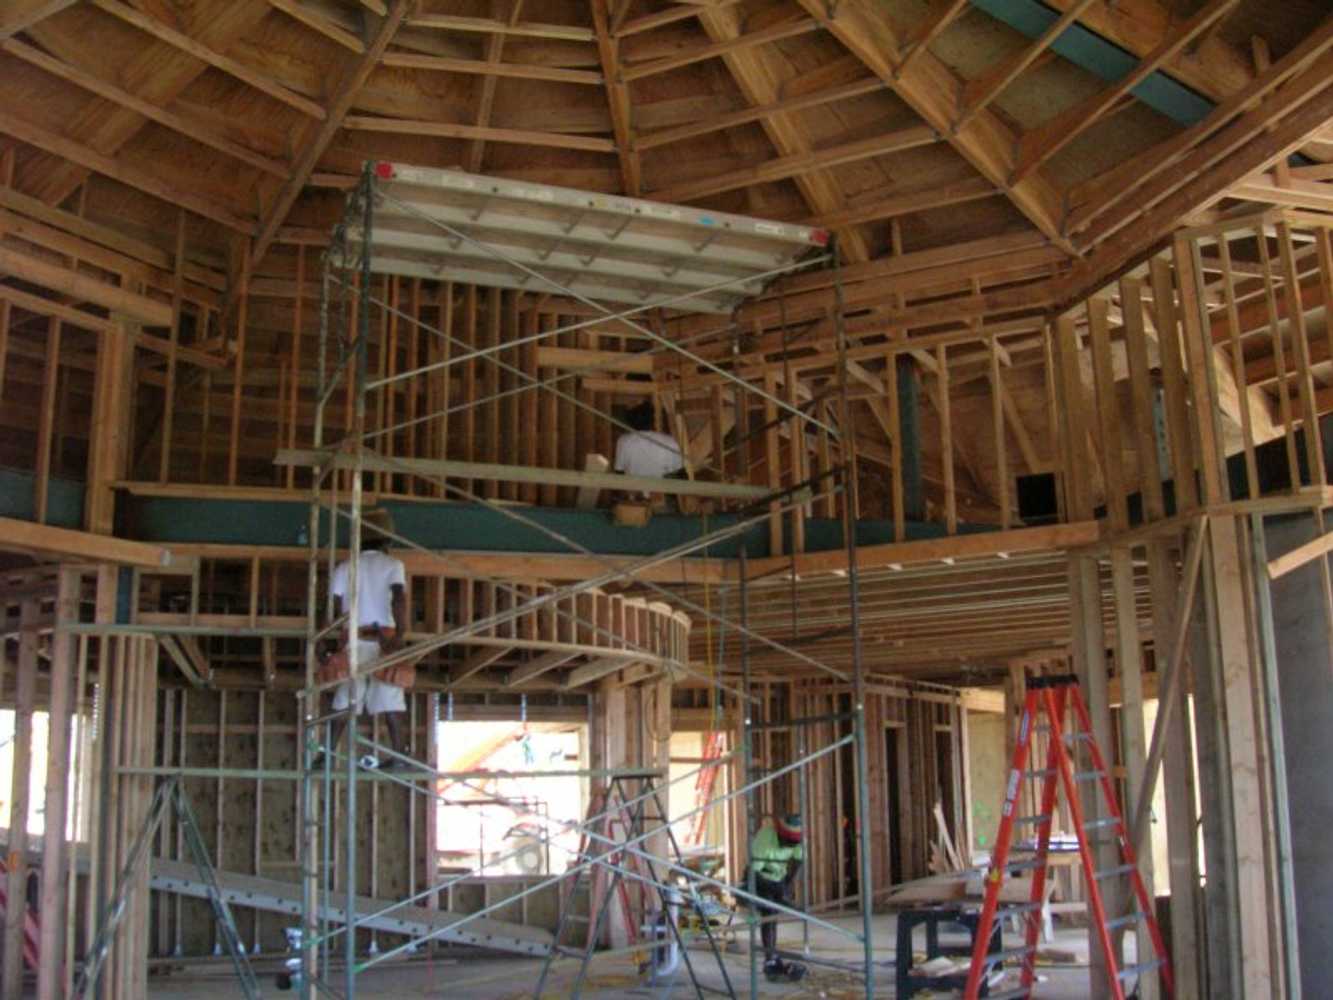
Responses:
[54,895]
[46,425]
[1001,452]
[946,439]
[169,393]
[238,368]
[293,401]
[16,888]
[1178,779]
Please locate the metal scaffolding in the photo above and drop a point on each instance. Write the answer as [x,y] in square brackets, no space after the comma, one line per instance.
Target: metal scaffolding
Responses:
[591,248]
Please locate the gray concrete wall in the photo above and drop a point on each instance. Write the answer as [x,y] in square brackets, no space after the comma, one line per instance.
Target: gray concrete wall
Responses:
[1307,724]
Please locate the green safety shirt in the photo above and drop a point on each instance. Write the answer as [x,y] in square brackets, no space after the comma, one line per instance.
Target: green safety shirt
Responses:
[771,857]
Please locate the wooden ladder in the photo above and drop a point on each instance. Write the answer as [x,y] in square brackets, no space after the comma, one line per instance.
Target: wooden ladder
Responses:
[1052,698]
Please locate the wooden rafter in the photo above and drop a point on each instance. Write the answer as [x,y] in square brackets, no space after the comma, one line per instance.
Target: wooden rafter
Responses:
[904,204]
[23,14]
[757,80]
[452,130]
[801,164]
[764,36]
[731,119]
[158,73]
[1095,199]
[495,44]
[978,93]
[326,26]
[169,119]
[618,101]
[929,87]
[179,40]
[933,27]
[517,71]
[135,177]
[490,26]
[1040,144]
[1275,129]
[340,102]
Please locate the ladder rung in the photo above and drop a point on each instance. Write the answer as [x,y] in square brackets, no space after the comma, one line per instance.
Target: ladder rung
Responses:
[1135,970]
[1097,824]
[1040,818]
[1017,909]
[994,958]
[1125,921]
[1045,772]
[1084,737]
[1088,775]
[1113,872]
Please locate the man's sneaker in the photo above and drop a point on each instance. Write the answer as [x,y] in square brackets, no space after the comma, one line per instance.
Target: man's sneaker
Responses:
[795,972]
[369,761]
[775,971]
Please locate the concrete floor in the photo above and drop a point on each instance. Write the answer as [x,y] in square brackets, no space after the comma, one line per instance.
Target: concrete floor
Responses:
[474,978]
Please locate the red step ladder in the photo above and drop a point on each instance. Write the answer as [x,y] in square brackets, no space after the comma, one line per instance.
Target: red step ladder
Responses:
[31,930]
[1052,698]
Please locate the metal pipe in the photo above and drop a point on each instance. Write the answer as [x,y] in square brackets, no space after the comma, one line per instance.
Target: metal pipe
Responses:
[747,755]
[627,846]
[849,515]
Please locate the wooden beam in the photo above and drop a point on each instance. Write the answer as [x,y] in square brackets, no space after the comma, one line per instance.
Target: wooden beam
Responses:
[904,204]
[135,177]
[197,131]
[1040,144]
[618,99]
[763,36]
[27,536]
[260,81]
[1052,538]
[783,167]
[326,26]
[23,14]
[930,30]
[484,471]
[486,99]
[82,288]
[488,26]
[756,74]
[313,147]
[183,662]
[458,130]
[979,92]
[537,666]
[928,86]
[1257,110]
[516,71]
[476,663]
[595,670]
[731,119]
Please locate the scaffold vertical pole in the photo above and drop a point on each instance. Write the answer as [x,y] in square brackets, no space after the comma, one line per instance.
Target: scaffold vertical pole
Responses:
[849,514]
[747,764]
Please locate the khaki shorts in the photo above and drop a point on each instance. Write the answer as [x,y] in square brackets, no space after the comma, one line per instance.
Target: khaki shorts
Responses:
[370,695]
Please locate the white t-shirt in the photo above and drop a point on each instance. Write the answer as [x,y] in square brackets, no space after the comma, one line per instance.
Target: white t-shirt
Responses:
[376,575]
[648,453]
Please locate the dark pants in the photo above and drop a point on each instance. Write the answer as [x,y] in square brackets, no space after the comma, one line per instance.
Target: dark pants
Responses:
[768,931]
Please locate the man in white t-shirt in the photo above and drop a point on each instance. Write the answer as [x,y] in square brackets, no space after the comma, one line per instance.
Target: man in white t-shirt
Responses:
[646,452]
[381,627]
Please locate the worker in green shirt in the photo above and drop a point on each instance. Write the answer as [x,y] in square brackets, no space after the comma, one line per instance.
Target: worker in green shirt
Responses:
[776,856]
